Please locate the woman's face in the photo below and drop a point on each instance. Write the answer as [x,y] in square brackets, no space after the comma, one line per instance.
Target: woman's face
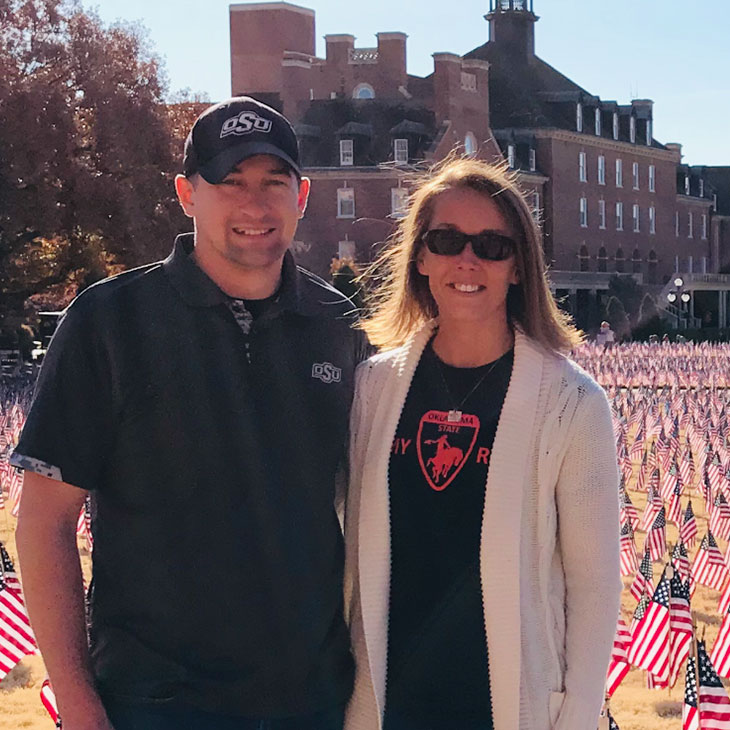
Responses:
[468,289]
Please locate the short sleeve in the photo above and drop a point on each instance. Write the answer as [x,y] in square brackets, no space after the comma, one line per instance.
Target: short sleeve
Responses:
[69,429]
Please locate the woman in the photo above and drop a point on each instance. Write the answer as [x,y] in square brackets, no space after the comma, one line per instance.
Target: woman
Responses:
[482,520]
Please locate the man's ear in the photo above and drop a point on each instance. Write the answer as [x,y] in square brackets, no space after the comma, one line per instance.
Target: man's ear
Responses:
[305,185]
[185,189]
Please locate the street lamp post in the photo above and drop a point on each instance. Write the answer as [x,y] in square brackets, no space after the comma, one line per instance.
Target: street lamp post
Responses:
[678,293]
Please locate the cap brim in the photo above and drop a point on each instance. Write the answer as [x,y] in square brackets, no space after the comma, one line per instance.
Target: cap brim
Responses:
[215,170]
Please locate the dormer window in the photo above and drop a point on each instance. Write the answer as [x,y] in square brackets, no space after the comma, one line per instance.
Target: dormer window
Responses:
[615,125]
[649,133]
[511,157]
[632,129]
[400,151]
[347,154]
[597,122]
[702,188]
[686,185]
[579,117]
[533,160]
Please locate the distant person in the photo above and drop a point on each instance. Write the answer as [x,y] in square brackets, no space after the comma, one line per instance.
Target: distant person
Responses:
[605,335]
[203,403]
[482,519]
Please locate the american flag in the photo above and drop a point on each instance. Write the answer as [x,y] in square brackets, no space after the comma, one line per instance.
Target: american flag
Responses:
[714,704]
[48,698]
[653,505]
[628,506]
[16,636]
[680,561]
[720,656]
[680,626]
[688,531]
[619,666]
[720,517]
[629,561]
[644,580]
[709,567]
[690,717]
[657,537]
[649,648]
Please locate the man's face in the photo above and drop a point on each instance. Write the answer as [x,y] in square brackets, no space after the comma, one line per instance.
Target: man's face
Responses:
[248,220]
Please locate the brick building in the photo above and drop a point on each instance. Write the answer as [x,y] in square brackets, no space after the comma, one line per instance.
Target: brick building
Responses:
[611,199]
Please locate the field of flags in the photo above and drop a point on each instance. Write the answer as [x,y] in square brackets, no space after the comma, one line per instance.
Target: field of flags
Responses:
[671,405]
[671,408]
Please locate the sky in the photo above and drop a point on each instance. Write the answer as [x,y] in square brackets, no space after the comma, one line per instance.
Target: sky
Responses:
[676,52]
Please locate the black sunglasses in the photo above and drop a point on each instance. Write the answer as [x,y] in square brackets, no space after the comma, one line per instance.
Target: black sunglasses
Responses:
[487,245]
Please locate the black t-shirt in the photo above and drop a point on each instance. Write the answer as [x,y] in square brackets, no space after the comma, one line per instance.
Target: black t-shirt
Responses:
[211,457]
[437,655]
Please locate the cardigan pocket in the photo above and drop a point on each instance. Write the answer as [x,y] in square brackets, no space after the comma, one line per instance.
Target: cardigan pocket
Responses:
[555,705]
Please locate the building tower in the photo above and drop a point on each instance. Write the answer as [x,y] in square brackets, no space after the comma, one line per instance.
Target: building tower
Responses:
[512,27]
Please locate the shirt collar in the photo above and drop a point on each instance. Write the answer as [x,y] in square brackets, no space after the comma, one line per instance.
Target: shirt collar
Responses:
[197,289]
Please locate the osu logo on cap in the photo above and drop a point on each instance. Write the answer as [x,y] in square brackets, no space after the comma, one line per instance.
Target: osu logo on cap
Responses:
[245,123]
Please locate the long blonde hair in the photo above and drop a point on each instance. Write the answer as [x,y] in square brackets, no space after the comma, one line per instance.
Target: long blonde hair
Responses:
[401,301]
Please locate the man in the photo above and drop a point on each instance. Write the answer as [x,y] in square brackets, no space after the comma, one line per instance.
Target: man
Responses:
[202,402]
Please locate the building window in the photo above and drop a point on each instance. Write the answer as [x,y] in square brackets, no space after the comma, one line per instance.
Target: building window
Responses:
[468,81]
[511,156]
[347,155]
[582,171]
[690,225]
[619,216]
[363,91]
[601,170]
[652,267]
[400,151]
[649,133]
[601,213]
[619,173]
[676,223]
[652,179]
[346,250]
[702,188]
[635,217]
[602,259]
[398,202]
[536,210]
[636,261]
[579,117]
[686,185]
[597,122]
[704,225]
[620,260]
[583,258]
[470,144]
[632,129]
[635,174]
[652,219]
[584,212]
[533,160]
[714,202]
[346,203]
[615,125]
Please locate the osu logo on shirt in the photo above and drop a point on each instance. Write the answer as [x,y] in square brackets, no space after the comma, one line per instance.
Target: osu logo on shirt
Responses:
[245,123]
[326,372]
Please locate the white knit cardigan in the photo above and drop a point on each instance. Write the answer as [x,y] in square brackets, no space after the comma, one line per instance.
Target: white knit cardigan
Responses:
[549,542]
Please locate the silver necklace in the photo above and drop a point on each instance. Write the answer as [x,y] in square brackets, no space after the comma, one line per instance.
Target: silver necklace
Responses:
[454,415]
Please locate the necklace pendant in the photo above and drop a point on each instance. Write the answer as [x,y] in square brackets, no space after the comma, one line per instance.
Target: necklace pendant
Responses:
[454,416]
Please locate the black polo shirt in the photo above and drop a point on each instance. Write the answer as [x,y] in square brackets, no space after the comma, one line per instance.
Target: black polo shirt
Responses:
[211,459]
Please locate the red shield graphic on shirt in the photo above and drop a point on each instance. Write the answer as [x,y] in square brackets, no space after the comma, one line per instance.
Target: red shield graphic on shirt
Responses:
[444,446]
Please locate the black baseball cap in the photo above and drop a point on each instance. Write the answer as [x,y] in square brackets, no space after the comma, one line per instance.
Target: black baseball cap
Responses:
[229,132]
